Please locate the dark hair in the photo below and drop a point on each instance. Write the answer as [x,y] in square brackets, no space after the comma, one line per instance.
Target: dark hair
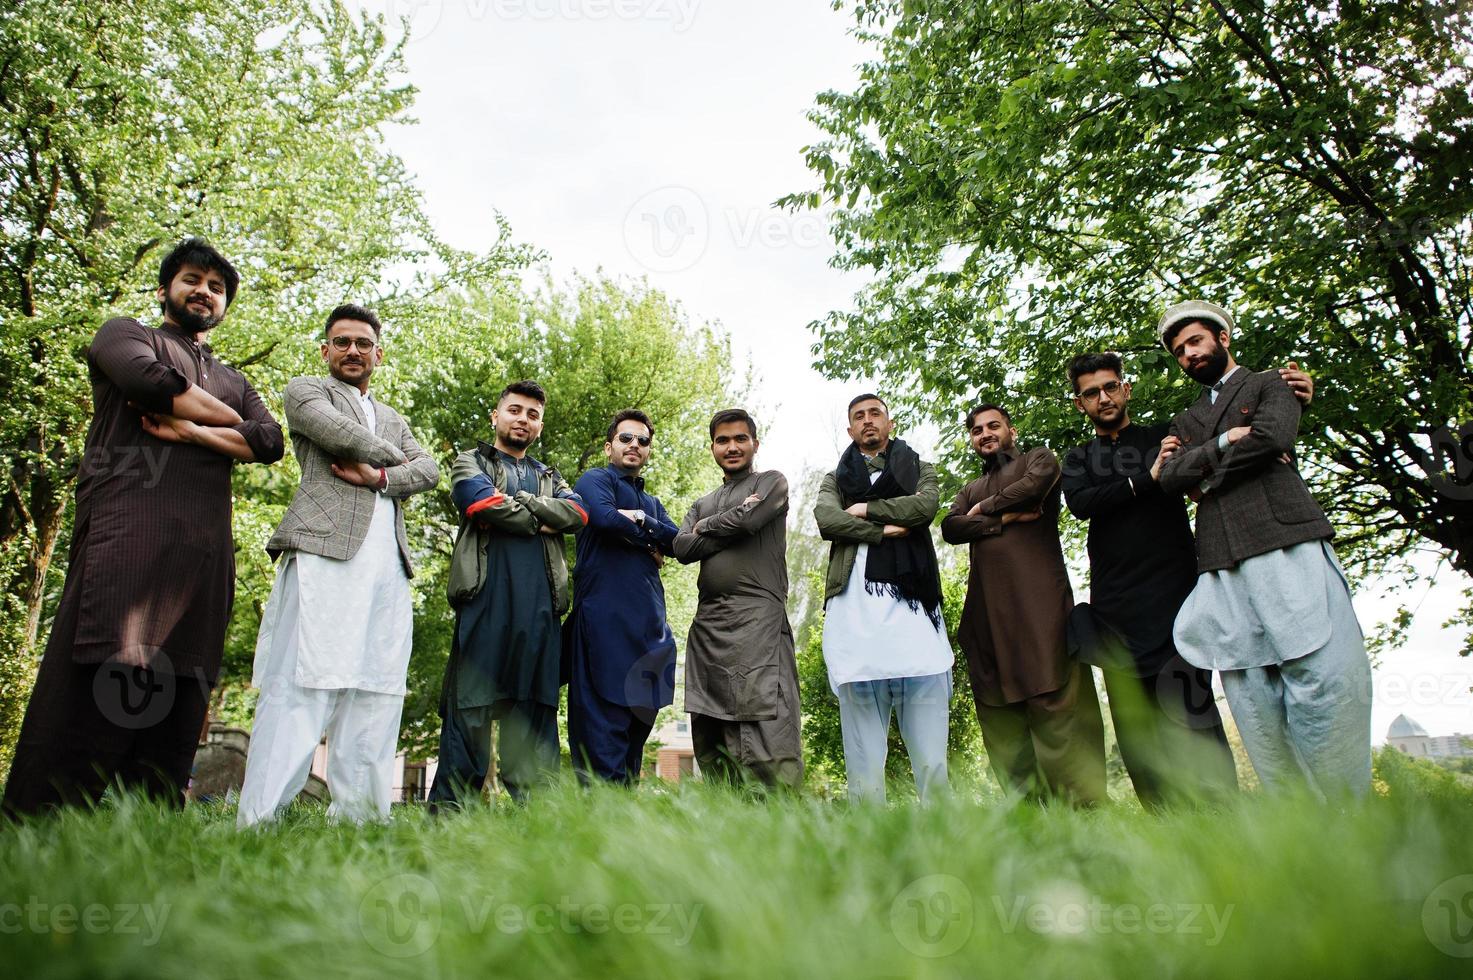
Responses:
[628,415]
[352,311]
[1180,325]
[866,397]
[728,415]
[197,251]
[527,388]
[1090,363]
[987,407]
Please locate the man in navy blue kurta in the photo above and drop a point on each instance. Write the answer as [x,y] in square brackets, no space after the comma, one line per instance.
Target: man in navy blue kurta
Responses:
[622,650]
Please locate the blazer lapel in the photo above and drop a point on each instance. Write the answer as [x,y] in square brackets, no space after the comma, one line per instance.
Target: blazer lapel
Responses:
[1225,397]
[348,394]
[1201,414]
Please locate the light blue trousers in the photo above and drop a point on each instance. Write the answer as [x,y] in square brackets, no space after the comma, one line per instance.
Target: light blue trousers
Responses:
[922,707]
[1306,723]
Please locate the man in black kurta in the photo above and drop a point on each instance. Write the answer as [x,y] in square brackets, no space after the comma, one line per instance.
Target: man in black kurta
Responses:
[1143,565]
[741,681]
[138,637]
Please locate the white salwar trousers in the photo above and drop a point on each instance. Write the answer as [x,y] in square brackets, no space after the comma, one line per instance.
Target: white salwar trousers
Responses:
[331,658]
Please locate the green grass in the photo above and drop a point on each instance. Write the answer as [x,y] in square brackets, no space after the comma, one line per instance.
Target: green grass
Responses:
[694,882]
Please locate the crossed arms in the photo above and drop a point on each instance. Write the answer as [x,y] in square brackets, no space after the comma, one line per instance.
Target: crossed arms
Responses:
[174,410]
[1020,500]
[700,538]
[873,520]
[1268,438]
[359,454]
[524,514]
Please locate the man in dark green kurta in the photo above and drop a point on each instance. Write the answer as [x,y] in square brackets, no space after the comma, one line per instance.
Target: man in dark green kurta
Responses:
[509,586]
[741,681]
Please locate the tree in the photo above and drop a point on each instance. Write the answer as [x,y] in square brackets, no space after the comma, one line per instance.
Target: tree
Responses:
[1028,181]
[125,127]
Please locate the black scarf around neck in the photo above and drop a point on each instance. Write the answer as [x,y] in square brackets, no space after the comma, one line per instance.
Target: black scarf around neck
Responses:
[905,567]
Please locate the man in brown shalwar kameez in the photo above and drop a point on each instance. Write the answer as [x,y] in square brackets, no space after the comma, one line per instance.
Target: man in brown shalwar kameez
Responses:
[741,681]
[136,644]
[1036,705]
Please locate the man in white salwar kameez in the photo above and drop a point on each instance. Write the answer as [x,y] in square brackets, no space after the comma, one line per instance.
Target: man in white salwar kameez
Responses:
[333,649]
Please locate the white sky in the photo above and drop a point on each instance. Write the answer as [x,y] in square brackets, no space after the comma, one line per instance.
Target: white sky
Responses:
[648,138]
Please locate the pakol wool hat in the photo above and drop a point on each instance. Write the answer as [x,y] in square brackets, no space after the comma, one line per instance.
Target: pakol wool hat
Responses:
[1193,309]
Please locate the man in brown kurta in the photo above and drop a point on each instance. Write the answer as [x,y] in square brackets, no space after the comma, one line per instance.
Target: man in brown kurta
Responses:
[140,630]
[741,681]
[1036,706]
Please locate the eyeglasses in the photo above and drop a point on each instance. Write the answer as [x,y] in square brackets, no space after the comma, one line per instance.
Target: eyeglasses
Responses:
[363,344]
[1111,388]
[627,437]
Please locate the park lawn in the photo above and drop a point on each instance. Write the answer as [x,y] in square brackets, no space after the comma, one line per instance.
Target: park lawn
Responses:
[694,882]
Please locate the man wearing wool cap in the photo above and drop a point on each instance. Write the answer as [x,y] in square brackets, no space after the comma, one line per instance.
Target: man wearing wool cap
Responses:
[1271,609]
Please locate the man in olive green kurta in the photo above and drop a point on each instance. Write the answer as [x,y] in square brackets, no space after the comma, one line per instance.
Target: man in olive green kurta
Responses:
[1036,705]
[741,681]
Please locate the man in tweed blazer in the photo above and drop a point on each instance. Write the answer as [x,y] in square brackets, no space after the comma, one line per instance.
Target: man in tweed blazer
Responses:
[333,649]
[1271,609]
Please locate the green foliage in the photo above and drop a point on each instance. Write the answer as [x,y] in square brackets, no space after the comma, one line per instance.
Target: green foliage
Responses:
[1026,182]
[682,883]
[125,127]
[1412,778]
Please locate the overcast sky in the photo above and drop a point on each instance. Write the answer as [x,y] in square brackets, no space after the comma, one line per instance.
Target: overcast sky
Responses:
[648,138]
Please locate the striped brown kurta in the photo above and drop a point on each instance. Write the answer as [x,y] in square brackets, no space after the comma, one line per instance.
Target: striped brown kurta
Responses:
[151,573]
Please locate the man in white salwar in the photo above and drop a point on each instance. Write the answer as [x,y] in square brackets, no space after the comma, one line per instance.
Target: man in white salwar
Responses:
[884,642]
[333,650]
[1271,609]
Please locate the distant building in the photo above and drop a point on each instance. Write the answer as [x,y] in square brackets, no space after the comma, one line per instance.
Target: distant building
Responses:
[676,758]
[1408,736]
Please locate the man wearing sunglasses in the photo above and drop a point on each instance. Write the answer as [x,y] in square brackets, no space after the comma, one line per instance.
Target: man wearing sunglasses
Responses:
[621,650]
[333,649]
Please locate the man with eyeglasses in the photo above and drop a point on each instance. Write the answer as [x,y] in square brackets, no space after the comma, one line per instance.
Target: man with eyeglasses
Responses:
[1143,564]
[509,589]
[1036,704]
[333,649]
[1271,607]
[621,652]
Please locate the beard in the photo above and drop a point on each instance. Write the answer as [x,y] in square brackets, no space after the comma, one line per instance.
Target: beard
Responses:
[1110,424]
[189,320]
[1209,371]
[514,440]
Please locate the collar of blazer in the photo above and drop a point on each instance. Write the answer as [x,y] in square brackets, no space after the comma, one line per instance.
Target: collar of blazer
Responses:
[1208,413]
[351,393]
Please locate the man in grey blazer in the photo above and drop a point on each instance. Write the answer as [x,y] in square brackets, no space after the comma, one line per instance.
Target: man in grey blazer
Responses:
[333,649]
[1271,608]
